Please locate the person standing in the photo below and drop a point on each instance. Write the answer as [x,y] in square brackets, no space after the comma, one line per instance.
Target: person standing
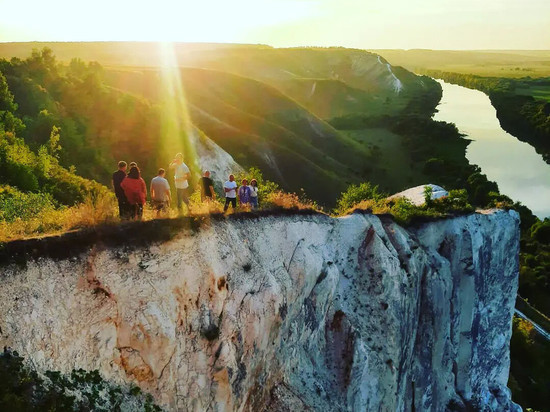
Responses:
[118,177]
[244,194]
[230,189]
[160,192]
[136,191]
[207,187]
[254,193]
[181,174]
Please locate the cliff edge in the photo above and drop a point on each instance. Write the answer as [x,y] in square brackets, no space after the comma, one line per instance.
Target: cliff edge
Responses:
[283,313]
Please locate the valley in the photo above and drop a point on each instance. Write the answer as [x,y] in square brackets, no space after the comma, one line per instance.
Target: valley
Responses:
[318,122]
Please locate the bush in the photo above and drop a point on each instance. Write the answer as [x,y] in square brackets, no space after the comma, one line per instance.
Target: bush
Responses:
[198,207]
[18,205]
[265,187]
[401,208]
[23,389]
[541,231]
[31,219]
[356,194]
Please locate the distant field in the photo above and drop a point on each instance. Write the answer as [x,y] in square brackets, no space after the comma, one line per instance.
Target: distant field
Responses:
[495,63]
[540,92]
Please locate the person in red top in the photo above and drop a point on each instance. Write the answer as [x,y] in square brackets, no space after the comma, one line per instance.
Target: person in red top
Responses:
[136,191]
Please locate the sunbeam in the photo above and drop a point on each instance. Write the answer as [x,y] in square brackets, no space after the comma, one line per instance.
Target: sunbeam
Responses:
[176,130]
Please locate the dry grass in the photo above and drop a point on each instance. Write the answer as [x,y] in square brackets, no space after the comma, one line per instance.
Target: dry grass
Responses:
[93,211]
[198,208]
[285,200]
[376,206]
[103,209]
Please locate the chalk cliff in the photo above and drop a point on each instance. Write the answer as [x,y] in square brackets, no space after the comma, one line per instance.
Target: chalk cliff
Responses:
[294,312]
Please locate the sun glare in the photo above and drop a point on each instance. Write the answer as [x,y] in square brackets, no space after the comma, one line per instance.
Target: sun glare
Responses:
[176,134]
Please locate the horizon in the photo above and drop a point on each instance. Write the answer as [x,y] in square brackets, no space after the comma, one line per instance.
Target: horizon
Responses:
[261,44]
[427,24]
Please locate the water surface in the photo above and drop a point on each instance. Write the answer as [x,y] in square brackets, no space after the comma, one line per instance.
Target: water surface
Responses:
[518,170]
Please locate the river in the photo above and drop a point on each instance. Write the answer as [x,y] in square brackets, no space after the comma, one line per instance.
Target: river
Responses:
[518,170]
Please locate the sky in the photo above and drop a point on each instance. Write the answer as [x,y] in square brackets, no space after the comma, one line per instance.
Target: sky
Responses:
[367,24]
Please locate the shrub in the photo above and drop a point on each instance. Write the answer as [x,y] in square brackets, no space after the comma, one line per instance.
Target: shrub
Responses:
[356,194]
[23,389]
[541,231]
[401,208]
[33,219]
[198,207]
[265,187]
[18,205]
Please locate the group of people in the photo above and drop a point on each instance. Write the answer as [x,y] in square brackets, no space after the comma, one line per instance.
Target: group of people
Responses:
[248,195]
[131,190]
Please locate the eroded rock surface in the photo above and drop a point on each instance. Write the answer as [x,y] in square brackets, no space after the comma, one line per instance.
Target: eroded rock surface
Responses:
[284,313]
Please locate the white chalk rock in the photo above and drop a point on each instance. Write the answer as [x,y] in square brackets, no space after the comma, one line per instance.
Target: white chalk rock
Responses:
[284,313]
[416,195]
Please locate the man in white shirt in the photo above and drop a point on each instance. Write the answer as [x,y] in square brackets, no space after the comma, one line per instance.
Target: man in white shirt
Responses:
[181,175]
[160,192]
[230,189]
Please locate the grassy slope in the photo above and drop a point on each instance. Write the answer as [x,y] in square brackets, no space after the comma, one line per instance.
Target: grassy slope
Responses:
[329,82]
[264,106]
[260,126]
[390,165]
[359,80]
[256,103]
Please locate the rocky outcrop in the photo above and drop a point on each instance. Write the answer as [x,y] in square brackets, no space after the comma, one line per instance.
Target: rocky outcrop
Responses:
[283,313]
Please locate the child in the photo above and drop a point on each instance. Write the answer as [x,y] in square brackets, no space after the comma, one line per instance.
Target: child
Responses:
[254,193]
[244,194]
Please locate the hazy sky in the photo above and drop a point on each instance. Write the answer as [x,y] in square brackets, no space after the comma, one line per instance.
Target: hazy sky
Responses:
[437,24]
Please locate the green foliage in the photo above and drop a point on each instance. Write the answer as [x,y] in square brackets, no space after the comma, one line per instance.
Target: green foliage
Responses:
[367,197]
[265,187]
[356,194]
[540,231]
[428,191]
[456,203]
[30,172]
[8,121]
[71,111]
[23,389]
[530,362]
[18,205]
[534,280]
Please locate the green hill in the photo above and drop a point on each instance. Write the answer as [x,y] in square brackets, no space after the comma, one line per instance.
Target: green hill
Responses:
[260,126]
[348,80]
[255,102]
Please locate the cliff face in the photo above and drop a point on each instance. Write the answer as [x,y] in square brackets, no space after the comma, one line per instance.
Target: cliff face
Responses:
[284,313]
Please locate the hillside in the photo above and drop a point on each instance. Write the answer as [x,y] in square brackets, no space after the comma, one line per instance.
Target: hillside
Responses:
[366,79]
[260,126]
[252,101]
